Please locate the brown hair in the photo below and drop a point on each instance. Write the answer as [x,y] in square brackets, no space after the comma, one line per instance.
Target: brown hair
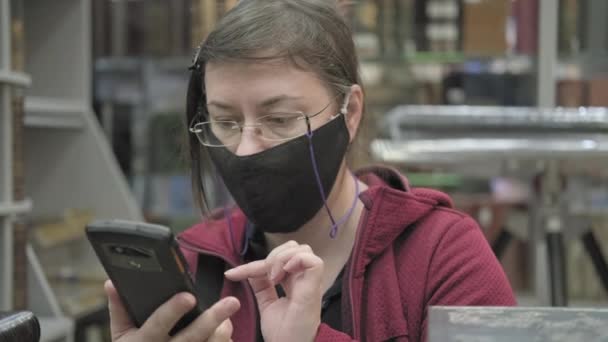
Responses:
[311,34]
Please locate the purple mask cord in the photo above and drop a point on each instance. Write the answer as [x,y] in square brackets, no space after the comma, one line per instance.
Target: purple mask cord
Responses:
[334,228]
[334,224]
[248,233]
[230,228]
[248,236]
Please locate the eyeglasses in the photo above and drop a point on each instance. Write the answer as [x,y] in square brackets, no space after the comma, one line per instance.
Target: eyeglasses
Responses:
[275,127]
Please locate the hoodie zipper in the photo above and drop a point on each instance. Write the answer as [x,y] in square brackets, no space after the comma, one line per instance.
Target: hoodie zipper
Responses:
[193,248]
[351,276]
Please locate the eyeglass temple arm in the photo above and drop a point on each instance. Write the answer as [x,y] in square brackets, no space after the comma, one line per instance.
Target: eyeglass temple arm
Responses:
[344,109]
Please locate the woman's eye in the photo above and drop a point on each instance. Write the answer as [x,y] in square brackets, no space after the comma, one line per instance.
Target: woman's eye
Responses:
[280,119]
[224,124]
[222,118]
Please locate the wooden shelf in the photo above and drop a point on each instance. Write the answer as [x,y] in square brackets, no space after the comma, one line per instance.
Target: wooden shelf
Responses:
[63,147]
[15,208]
[54,113]
[15,78]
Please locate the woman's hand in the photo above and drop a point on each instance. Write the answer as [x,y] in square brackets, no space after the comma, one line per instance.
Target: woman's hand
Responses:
[213,325]
[295,317]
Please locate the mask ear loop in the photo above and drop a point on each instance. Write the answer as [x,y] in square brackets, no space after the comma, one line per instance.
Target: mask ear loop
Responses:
[249,229]
[315,168]
[334,224]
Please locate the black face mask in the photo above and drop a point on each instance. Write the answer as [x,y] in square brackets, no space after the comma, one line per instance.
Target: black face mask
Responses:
[277,188]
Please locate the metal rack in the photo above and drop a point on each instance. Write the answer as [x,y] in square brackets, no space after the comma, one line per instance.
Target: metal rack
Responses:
[465,137]
[489,139]
[464,134]
[491,117]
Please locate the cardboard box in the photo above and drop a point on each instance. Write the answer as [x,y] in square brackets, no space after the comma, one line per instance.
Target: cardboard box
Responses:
[571,93]
[598,92]
[484,27]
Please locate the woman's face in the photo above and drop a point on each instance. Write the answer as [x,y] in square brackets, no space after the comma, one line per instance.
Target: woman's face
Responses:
[244,92]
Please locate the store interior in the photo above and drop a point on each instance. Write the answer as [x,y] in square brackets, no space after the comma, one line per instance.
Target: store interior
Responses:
[502,104]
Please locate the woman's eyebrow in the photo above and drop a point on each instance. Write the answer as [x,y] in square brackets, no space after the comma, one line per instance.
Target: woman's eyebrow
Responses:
[220,105]
[275,100]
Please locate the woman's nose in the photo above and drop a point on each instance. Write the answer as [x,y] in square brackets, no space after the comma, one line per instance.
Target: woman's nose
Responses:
[251,142]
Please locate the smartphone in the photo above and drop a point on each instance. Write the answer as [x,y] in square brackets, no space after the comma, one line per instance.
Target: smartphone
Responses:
[145,265]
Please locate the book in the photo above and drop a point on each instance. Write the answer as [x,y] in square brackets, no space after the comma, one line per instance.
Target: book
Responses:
[571,27]
[204,18]
[526,18]
[20,233]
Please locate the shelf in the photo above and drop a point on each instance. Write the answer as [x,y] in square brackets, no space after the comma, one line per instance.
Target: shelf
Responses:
[434,57]
[15,208]
[434,68]
[69,228]
[15,78]
[57,328]
[583,119]
[54,113]
[66,147]
[488,150]
[517,323]
[134,65]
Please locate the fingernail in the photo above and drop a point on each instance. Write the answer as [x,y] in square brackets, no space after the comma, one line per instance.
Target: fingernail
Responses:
[231,304]
[188,298]
[273,274]
[229,272]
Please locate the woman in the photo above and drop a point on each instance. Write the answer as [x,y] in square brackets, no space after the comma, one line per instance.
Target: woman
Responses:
[312,252]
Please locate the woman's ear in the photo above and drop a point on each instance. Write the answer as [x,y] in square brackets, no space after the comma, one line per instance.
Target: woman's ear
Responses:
[354,110]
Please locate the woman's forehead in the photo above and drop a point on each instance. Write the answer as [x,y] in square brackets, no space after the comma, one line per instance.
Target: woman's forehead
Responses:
[262,77]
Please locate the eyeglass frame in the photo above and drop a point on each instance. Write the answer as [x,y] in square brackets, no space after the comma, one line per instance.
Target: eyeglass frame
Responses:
[343,111]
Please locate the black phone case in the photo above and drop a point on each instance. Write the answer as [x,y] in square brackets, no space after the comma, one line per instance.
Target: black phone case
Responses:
[145,265]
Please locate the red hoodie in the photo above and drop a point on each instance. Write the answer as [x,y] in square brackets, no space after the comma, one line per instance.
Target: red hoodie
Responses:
[412,251]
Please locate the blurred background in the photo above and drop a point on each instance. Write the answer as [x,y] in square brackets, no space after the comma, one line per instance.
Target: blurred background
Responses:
[500,103]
